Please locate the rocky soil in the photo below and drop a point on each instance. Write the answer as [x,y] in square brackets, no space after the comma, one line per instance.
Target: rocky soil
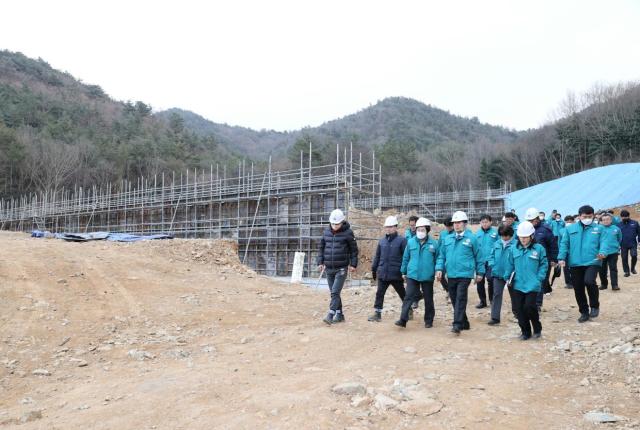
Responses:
[178,335]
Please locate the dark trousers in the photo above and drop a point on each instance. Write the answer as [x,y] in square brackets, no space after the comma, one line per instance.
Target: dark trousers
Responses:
[527,311]
[443,281]
[584,278]
[567,275]
[513,306]
[419,290]
[335,280]
[609,264]
[398,285]
[546,287]
[625,258]
[458,292]
[546,284]
[496,304]
[480,285]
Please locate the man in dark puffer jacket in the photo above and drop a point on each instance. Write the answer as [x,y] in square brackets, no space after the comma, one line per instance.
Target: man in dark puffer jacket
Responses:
[338,252]
[386,265]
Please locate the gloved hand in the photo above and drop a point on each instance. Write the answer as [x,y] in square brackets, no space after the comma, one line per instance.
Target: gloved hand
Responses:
[374,275]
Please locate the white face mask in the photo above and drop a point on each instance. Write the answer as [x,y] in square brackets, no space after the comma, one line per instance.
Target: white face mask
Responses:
[587,221]
[541,217]
[505,242]
[421,234]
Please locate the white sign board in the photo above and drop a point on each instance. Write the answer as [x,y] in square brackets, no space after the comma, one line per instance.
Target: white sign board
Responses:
[298,265]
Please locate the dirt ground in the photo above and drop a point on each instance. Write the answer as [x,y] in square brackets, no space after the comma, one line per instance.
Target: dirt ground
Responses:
[178,335]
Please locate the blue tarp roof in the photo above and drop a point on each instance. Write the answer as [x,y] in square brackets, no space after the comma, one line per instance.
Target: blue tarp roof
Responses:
[603,188]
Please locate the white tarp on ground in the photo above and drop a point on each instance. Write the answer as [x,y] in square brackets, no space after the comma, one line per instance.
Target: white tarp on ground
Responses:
[603,188]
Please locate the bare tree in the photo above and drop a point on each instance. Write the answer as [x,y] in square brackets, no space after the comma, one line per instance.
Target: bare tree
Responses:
[51,164]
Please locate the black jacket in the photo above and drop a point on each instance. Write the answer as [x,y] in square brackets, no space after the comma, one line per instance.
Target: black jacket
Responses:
[388,260]
[630,233]
[338,249]
[544,236]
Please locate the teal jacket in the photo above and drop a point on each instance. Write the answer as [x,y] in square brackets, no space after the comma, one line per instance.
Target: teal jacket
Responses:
[443,235]
[561,231]
[486,239]
[581,244]
[611,238]
[419,259]
[408,234]
[499,257]
[530,265]
[460,257]
[556,227]
[616,220]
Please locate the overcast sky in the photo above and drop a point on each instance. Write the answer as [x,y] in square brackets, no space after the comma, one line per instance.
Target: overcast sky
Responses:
[287,64]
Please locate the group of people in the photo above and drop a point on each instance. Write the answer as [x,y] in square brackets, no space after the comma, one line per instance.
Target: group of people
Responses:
[517,255]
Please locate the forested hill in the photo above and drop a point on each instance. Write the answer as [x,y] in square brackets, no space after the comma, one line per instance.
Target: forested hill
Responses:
[57,131]
[395,119]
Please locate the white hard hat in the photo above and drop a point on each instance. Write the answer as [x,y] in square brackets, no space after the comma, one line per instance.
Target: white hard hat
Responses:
[459,216]
[423,222]
[532,213]
[526,229]
[336,217]
[391,221]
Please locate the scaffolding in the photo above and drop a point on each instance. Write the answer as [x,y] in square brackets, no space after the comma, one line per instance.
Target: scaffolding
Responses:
[271,214]
[439,206]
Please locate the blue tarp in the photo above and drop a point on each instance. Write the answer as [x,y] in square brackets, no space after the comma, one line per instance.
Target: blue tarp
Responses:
[603,188]
[125,237]
[100,235]
[82,237]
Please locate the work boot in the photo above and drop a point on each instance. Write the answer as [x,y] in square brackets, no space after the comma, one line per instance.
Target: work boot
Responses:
[328,319]
[455,330]
[466,325]
[615,288]
[634,271]
[603,287]
[569,287]
[428,325]
[524,337]
[481,305]
[375,317]
[594,313]
[339,318]
[537,335]
[627,274]
[415,305]
[401,323]
[493,322]
[583,318]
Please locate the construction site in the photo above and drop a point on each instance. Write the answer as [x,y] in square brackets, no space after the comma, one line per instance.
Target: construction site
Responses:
[197,332]
[179,334]
[270,214]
